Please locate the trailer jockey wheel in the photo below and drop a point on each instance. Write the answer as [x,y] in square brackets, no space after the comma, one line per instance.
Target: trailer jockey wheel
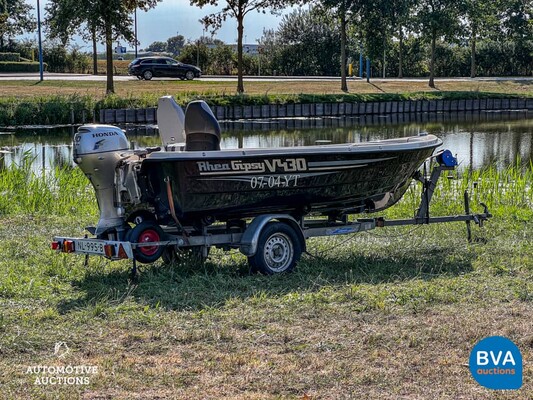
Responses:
[147,232]
[278,249]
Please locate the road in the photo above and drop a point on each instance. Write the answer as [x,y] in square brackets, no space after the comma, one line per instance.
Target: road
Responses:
[218,78]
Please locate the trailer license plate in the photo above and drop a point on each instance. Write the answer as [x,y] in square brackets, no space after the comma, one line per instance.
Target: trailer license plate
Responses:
[89,246]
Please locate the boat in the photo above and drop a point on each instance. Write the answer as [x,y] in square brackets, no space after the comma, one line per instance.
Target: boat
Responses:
[188,194]
[190,180]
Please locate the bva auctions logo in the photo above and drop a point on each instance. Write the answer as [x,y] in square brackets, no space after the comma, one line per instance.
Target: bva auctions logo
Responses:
[496,363]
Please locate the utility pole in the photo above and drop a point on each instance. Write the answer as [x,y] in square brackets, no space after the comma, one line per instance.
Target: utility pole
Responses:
[41,78]
[198,53]
[361,62]
[135,32]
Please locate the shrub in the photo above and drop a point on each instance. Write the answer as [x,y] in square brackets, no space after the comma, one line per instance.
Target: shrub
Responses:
[15,57]
[8,66]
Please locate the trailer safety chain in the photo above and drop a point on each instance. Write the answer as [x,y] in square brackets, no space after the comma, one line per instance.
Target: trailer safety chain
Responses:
[321,254]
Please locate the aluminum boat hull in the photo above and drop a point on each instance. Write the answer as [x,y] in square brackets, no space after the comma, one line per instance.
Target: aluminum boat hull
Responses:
[235,184]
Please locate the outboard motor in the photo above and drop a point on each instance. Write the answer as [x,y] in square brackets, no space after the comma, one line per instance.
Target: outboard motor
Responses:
[202,131]
[98,149]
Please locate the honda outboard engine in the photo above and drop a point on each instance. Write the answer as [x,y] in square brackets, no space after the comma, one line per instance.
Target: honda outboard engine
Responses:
[98,149]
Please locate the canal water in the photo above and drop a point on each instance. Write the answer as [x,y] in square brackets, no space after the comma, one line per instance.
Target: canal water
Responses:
[478,140]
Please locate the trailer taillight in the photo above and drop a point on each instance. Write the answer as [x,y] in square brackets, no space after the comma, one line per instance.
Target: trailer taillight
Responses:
[56,245]
[122,252]
[68,246]
[109,250]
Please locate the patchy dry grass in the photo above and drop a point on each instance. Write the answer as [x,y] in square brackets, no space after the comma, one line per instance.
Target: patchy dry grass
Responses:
[135,88]
[391,314]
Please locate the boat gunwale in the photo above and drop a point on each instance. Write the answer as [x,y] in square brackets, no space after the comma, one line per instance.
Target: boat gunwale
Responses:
[411,143]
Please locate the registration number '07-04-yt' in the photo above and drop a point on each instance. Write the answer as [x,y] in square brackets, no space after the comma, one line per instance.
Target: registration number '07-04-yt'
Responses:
[274,181]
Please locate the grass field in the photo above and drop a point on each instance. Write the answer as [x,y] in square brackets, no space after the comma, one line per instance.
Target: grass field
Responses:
[157,88]
[389,314]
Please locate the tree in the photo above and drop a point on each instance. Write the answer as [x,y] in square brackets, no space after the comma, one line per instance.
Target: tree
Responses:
[398,16]
[516,18]
[195,53]
[110,19]
[222,59]
[437,18]
[15,19]
[307,42]
[67,18]
[175,44]
[375,28]
[237,9]
[157,47]
[344,11]
[480,19]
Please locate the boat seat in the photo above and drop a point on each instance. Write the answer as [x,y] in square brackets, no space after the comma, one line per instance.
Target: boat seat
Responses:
[170,121]
[202,131]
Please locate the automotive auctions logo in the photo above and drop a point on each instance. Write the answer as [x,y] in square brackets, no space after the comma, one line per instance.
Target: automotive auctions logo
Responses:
[62,374]
[496,363]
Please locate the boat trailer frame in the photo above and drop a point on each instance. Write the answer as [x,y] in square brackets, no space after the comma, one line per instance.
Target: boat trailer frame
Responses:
[246,237]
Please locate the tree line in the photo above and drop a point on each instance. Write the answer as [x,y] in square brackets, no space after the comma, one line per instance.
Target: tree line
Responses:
[308,42]
[396,35]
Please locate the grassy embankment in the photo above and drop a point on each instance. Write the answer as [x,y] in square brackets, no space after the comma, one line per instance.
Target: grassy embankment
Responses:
[389,314]
[51,102]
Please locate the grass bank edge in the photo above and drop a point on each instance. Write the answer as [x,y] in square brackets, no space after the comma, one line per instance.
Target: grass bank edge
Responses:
[59,109]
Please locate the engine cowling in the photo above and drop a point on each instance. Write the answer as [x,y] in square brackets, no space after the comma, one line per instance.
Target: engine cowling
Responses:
[98,150]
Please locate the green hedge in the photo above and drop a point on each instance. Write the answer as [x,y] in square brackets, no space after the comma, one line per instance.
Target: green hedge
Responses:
[58,109]
[15,57]
[47,110]
[8,66]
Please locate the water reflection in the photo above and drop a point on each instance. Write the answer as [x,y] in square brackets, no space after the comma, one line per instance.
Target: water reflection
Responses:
[479,139]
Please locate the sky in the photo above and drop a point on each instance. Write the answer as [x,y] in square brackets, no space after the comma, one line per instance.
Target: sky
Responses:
[170,17]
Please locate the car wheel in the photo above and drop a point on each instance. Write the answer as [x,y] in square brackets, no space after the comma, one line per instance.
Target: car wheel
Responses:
[147,75]
[189,75]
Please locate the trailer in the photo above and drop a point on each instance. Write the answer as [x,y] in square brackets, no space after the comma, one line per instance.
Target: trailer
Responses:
[272,242]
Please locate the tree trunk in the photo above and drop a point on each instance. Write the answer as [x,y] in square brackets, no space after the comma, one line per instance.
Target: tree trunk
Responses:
[400,55]
[240,30]
[344,84]
[95,52]
[473,53]
[110,88]
[432,60]
[384,63]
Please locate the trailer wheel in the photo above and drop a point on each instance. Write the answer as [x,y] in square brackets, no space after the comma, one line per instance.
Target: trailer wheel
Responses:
[147,232]
[278,249]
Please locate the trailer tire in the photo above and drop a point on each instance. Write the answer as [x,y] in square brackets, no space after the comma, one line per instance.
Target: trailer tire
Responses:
[147,232]
[278,249]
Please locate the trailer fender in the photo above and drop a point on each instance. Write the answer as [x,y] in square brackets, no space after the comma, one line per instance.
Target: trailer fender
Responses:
[250,237]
